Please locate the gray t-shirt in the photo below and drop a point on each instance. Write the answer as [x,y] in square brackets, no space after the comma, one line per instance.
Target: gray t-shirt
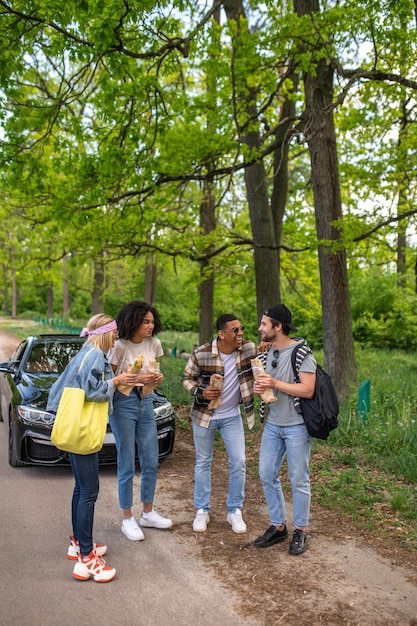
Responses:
[282,412]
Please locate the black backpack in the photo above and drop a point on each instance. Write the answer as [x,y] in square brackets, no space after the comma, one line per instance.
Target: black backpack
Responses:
[319,412]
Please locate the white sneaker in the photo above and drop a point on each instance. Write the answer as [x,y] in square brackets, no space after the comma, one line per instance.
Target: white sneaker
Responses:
[132,530]
[154,520]
[201,520]
[236,521]
[74,549]
[93,567]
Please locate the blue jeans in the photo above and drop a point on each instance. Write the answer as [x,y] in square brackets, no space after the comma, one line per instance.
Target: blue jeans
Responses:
[231,431]
[85,470]
[295,442]
[133,420]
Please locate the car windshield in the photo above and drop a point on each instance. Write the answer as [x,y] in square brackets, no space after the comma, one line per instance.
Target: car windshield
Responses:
[52,357]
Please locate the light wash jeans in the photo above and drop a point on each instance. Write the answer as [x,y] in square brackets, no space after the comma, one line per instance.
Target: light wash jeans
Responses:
[133,420]
[295,442]
[231,431]
[85,470]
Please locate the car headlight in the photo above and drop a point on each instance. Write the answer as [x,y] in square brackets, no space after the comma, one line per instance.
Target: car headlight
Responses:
[29,415]
[164,410]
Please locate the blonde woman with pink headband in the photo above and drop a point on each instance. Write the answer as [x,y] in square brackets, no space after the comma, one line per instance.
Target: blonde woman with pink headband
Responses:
[96,377]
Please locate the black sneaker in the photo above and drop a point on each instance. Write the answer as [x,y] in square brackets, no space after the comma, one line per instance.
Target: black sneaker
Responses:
[270,537]
[298,543]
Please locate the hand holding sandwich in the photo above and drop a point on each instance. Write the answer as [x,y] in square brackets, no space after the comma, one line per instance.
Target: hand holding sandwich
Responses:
[213,391]
[134,369]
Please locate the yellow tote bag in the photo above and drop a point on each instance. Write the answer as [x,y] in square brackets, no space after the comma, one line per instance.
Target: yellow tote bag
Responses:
[80,426]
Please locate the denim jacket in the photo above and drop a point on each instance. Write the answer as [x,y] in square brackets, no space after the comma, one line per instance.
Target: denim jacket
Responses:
[95,376]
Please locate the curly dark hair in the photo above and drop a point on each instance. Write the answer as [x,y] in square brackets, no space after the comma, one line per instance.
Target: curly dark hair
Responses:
[132,314]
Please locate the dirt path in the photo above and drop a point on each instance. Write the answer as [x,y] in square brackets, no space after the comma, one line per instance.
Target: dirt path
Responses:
[8,343]
[344,578]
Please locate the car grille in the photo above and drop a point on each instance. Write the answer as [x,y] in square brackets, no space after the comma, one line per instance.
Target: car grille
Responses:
[108,454]
[36,452]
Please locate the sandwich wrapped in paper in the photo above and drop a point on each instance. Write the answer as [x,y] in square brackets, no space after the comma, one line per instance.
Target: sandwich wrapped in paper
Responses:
[216,380]
[136,366]
[153,368]
[258,369]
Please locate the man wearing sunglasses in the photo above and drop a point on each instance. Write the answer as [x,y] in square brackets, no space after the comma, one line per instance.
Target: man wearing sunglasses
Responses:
[285,433]
[228,356]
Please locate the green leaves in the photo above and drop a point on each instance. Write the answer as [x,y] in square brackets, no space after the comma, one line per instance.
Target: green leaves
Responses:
[114,116]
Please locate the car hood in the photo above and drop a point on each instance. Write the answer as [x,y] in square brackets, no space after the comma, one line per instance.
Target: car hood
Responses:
[34,389]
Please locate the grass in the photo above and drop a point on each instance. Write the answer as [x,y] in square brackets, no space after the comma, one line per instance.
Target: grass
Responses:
[181,341]
[367,470]
[21,327]
[173,369]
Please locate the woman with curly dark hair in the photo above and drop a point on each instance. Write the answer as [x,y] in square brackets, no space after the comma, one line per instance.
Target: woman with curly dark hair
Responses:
[133,418]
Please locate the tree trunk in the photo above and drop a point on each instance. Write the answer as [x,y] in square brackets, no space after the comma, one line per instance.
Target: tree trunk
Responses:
[403,184]
[6,289]
[265,246]
[401,246]
[50,302]
[280,174]
[208,221]
[150,282]
[320,134]
[65,296]
[415,275]
[206,294]
[98,287]
[206,287]
[14,292]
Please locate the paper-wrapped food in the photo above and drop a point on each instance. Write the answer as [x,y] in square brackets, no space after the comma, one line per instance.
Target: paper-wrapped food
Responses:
[258,369]
[153,368]
[216,380]
[136,366]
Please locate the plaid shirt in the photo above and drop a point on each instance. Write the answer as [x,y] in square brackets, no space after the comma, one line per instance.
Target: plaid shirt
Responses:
[206,361]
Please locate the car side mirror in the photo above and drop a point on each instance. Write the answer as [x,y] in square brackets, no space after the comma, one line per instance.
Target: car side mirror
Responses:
[9,367]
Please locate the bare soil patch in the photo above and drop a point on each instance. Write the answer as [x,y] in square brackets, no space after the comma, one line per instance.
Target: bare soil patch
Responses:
[346,577]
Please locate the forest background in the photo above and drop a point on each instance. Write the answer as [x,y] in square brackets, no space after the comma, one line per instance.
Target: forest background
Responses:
[209,157]
[225,156]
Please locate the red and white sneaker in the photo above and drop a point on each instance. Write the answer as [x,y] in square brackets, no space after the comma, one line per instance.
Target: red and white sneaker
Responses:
[74,549]
[94,567]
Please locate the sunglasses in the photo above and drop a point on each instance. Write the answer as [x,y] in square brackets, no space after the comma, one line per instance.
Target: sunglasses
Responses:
[275,354]
[235,330]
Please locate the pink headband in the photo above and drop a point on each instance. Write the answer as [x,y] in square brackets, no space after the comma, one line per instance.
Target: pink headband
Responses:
[101,330]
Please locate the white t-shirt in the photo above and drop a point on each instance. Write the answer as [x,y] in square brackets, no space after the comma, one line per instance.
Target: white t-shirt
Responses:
[125,352]
[231,389]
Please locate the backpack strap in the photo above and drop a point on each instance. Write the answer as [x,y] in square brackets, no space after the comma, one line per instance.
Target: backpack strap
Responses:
[297,357]
[262,356]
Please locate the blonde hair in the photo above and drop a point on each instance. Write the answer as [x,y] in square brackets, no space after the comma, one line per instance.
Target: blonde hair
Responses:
[105,341]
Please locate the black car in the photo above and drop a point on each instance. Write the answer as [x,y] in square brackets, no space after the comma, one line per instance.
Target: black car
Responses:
[25,381]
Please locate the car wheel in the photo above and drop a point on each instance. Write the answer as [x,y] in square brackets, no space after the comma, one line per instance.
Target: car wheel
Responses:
[13,458]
